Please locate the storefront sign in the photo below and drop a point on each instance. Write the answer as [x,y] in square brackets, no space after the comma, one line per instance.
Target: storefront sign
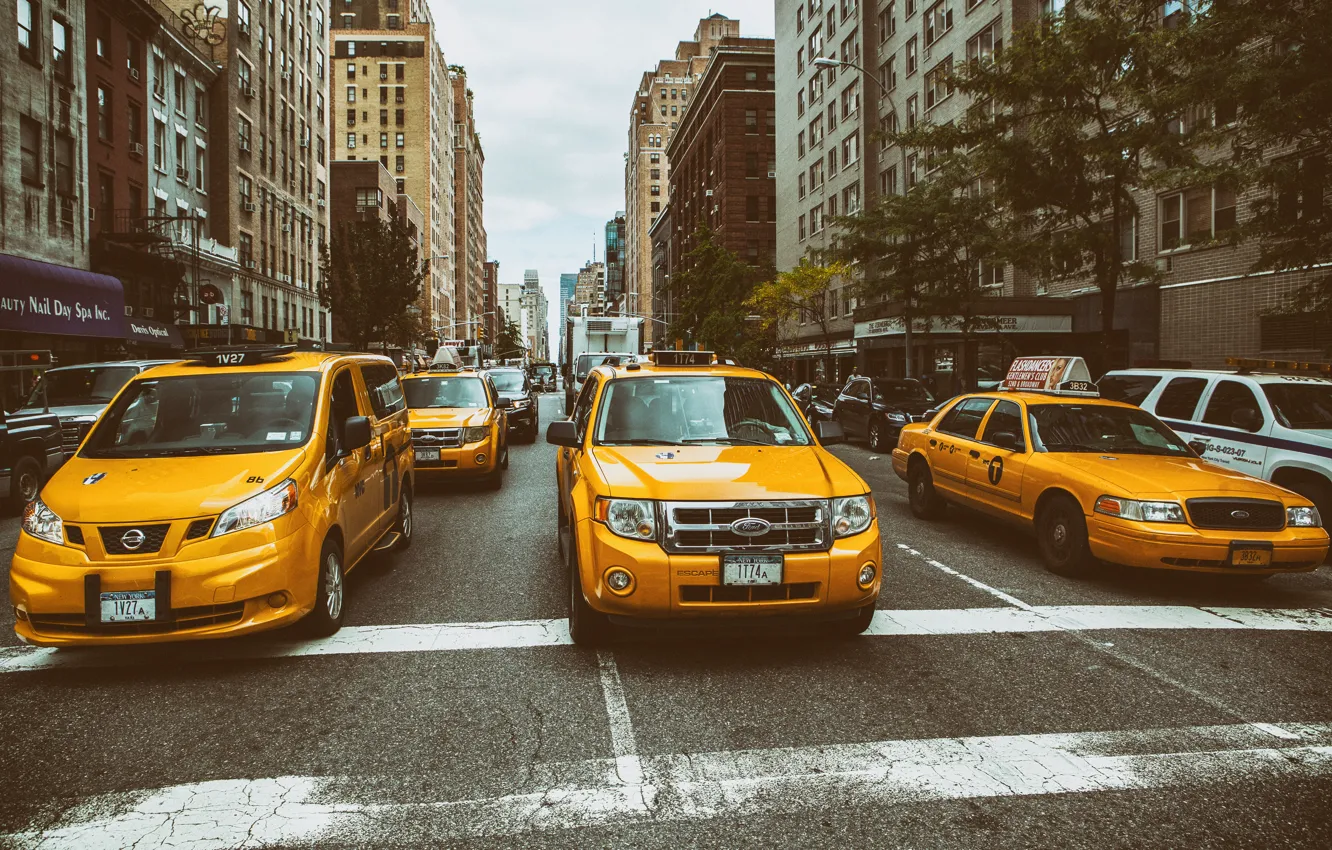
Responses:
[998,324]
[43,298]
[813,349]
[152,332]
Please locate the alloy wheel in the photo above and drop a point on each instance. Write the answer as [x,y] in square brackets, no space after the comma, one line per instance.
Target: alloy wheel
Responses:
[333,586]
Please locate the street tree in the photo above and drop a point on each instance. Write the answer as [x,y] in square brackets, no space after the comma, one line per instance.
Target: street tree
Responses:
[509,340]
[370,276]
[712,289]
[801,295]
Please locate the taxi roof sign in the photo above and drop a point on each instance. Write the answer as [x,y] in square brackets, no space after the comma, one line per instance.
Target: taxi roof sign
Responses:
[1054,375]
[670,357]
[238,355]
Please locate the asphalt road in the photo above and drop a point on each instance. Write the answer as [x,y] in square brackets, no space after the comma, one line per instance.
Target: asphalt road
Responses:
[993,705]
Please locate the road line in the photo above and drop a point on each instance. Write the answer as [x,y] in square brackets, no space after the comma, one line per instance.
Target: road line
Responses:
[309,811]
[976,583]
[627,765]
[519,634]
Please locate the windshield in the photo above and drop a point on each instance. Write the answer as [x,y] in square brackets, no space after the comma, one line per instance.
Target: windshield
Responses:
[507,381]
[1102,429]
[902,391]
[544,372]
[207,414]
[587,362]
[698,409]
[1300,405]
[93,385]
[445,392]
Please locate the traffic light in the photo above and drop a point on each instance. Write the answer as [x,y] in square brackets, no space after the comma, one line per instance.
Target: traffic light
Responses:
[481,333]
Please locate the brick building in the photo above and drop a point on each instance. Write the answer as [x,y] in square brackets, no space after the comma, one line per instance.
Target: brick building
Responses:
[490,293]
[469,227]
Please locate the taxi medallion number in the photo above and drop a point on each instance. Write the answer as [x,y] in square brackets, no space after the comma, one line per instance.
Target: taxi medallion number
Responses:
[746,570]
[129,606]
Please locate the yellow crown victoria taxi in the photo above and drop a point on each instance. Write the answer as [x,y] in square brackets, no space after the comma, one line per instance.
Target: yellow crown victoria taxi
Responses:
[224,494]
[1101,480]
[692,490]
[459,425]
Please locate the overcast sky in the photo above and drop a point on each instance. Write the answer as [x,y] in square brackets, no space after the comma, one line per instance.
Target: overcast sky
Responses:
[554,82]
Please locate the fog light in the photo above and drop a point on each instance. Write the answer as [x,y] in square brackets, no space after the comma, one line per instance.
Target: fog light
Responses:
[480,458]
[619,581]
[277,600]
[866,576]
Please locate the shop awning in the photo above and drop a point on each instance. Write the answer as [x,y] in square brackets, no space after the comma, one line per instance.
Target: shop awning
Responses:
[153,332]
[44,298]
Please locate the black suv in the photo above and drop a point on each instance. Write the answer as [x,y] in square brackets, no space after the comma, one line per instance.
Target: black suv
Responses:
[877,408]
[512,383]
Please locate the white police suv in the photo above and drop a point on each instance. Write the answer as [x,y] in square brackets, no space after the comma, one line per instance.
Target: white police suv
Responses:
[1270,419]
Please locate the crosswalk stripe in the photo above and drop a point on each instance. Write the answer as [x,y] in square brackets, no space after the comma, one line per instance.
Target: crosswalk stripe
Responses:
[291,810]
[517,634]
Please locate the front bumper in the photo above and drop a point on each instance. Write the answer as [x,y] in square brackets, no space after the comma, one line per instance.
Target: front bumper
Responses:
[219,587]
[1172,546]
[900,463]
[815,585]
[460,461]
[522,419]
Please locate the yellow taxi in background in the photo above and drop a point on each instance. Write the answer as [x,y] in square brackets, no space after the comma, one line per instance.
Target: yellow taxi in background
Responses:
[227,493]
[1097,479]
[459,425]
[692,490]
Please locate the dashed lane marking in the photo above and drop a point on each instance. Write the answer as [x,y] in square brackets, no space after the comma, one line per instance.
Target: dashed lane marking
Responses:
[306,811]
[517,634]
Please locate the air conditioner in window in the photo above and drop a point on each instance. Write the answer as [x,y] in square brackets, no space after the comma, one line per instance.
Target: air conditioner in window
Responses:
[772,175]
[243,28]
[707,193]
[383,75]
[250,264]
[249,206]
[136,149]
[1165,264]
[286,75]
[183,174]
[248,92]
[147,312]
[134,74]
[309,197]
[244,146]
[305,143]
[321,203]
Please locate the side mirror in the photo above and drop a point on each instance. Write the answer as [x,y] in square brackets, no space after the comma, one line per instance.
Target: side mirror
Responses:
[563,433]
[1198,446]
[504,402]
[355,433]
[802,394]
[1006,440]
[829,433]
[1247,418]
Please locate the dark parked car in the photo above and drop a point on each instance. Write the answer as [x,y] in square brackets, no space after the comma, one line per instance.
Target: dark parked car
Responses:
[877,408]
[513,384]
[816,401]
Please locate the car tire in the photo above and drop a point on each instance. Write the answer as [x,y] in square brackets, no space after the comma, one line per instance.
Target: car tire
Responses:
[1061,534]
[588,627]
[877,429]
[925,501]
[25,482]
[495,480]
[330,593]
[404,525]
[858,624]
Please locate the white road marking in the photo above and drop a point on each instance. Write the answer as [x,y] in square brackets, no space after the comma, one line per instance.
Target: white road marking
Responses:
[627,765]
[979,585]
[518,634]
[293,810]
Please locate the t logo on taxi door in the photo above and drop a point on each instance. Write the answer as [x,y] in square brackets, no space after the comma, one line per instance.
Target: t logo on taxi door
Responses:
[996,470]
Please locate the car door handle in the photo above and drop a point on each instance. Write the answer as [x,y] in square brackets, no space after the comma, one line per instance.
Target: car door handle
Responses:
[933,443]
[975,453]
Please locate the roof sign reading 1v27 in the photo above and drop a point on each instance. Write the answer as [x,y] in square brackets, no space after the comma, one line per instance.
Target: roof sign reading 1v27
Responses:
[238,355]
[1054,375]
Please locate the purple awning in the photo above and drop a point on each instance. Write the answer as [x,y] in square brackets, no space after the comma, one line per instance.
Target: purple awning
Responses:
[45,298]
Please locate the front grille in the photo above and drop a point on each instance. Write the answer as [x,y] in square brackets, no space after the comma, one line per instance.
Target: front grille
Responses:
[199,528]
[706,526]
[750,593]
[436,438]
[71,434]
[1241,514]
[184,619]
[153,535]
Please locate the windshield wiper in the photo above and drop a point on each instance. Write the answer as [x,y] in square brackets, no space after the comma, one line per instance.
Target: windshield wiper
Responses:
[640,441]
[1070,447]
[727,441]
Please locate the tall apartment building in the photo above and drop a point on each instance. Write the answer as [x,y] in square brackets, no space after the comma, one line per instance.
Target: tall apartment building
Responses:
[660,102]
[511,305]
[536,312]
[490,293]
[590,289]
[469,227]
[615,258]
[391,100]
[567,283]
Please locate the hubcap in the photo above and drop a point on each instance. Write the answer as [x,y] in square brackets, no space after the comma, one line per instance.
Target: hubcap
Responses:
[874,433]
[28,486]
[405,517]
[1060,534]
[333,586]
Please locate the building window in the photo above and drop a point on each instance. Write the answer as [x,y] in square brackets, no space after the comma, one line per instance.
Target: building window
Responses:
[888,181]
[851,149]
[851,199]
[752,213]
[351,141]
[816,219]
[400,164]
[400,117]
[888,73]
[104,113]
[888,22]
[30,150]
[159,142]
[654,173]
[182,159]
[832,162]
[751,121]
[401,186]
[939,83]
[134,122]
[832,117]
[1196,215]
[368,198]
[351,94]
[27,28]
[912,56]
[656,206]
[912,171]
[654,158]
[351,70]
[383,117]
[655,190]
[800,144]
[179,93]
[399,72]
[938,20]
[200,168]
[800,186]
[60,47]
[984,44]
[383,140]
[351,117]
[134,56]
[64,164]
[201,107]
[912,110]
[399,94]
[102,40]
[850,100]
[800,228]
[1128,240]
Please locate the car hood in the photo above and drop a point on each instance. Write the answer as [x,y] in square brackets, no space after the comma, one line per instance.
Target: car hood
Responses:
[1150,476]
[725,473]
[162,488]
[67,411]
[915,408]
[448,417]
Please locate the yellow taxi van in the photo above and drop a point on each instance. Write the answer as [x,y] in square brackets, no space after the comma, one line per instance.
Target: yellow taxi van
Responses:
[227,493]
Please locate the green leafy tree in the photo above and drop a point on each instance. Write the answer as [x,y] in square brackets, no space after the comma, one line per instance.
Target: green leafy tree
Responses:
[799,295]
[509,341]
[370,277]
[712,291]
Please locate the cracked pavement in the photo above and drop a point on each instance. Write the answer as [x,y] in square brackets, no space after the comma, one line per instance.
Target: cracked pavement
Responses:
[1070,734]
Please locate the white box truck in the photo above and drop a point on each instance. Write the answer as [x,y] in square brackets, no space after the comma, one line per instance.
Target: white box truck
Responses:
[588,340]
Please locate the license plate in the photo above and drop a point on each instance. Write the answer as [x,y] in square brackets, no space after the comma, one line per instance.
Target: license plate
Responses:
[751,569]
[1241,557]
[129,606]
[427,454]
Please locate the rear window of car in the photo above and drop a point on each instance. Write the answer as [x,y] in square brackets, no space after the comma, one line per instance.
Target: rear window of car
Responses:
[1130,389]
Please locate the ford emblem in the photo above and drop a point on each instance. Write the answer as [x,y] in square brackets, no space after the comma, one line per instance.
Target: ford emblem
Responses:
[1240,514]
[751,527]
[132,539]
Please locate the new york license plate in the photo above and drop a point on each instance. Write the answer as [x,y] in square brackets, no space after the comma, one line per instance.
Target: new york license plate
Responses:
[1257,557]
[427,454]
[129,606]
[751,569]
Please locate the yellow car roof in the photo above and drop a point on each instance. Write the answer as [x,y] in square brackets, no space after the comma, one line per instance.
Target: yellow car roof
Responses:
[1048,398]
[642,370]
[296,361]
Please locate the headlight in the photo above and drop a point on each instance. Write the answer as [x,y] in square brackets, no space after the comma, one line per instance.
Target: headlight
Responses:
[521,403]
[632,518]
[475,435]
[257,510]
[1303,518]
[898,417]
[851,515]
[1140,511]
[42,523]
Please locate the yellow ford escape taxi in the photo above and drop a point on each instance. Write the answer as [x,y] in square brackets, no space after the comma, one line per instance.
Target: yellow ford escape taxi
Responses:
[459,425]
[691,489]
[1097,479]
[227,493]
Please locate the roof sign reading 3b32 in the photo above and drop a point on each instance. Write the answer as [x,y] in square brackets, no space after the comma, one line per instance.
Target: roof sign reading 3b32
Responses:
[1056,375]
